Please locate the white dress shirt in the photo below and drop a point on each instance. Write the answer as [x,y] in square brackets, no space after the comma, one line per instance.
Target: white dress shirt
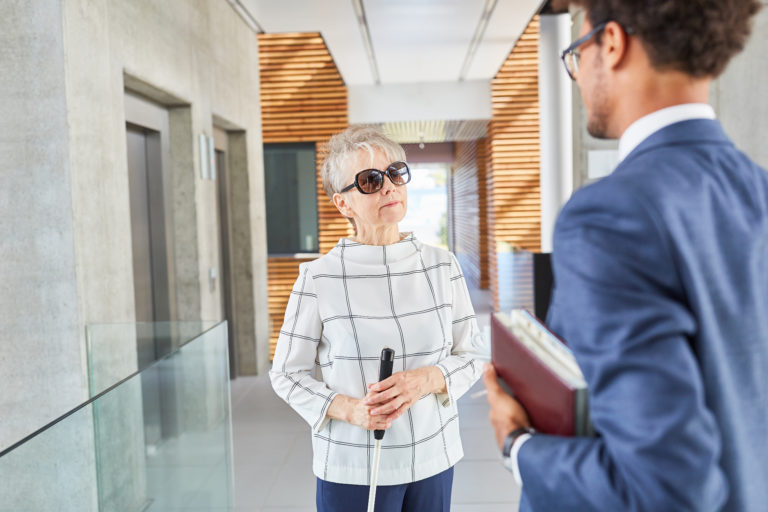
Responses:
[344,309]
[655,121]
[630,139]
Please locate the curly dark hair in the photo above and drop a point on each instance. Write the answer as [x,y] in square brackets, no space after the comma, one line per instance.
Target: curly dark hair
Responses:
[697,37]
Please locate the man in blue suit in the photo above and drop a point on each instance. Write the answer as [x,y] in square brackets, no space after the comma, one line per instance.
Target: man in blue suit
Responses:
[661,279]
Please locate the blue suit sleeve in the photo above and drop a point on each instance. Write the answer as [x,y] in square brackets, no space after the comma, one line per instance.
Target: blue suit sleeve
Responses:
[618,304]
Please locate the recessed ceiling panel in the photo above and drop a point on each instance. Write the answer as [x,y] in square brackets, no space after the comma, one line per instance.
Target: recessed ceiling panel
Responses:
[413,40]
[421,40]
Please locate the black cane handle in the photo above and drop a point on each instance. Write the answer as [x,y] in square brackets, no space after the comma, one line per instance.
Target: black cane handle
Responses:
[385,370]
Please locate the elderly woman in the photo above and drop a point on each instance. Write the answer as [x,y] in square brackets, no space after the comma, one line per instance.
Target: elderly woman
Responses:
[380,288]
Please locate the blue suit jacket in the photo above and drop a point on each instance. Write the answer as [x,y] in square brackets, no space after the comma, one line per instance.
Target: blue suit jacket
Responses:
[661,290]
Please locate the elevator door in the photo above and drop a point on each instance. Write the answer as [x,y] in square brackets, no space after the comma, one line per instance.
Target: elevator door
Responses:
[140,228]
[226,291]
[151,285]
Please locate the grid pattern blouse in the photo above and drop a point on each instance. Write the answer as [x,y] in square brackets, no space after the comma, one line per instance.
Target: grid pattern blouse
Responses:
[345,308]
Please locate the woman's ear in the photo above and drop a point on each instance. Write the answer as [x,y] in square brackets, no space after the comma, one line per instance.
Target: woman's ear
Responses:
[342,205]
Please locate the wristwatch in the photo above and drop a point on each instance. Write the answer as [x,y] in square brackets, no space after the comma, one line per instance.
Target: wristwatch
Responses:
[509,442]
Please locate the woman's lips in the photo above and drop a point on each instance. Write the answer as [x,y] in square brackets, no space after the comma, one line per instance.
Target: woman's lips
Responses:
[389,205]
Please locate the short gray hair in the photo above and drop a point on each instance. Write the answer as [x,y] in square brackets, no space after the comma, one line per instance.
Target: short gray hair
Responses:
[345,144]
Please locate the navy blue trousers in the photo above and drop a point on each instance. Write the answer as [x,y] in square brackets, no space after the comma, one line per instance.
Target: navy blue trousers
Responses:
[432,494]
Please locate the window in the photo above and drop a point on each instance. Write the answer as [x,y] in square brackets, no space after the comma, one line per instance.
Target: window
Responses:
[291,194]
[428,203]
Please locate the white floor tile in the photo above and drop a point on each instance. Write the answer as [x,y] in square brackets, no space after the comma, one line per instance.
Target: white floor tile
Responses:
[252,485]
[295,482]
[485,507]
[288,509]
[473,416]
[483,482]
[479,444]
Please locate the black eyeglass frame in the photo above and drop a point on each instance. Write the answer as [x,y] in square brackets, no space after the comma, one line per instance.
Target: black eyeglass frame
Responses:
[356,183]
[573,48]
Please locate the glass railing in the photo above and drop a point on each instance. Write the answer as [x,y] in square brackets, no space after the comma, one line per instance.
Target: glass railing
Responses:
[116,351]
[157,438]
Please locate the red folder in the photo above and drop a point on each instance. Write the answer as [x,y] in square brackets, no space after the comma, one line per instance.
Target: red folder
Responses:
[551,393]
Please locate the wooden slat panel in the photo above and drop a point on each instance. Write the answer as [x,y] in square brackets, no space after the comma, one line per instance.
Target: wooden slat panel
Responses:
[282,274]
[512,175]
[331,224]
[482,203]
[303,99]
[303,95]
[466,209]
[470,210]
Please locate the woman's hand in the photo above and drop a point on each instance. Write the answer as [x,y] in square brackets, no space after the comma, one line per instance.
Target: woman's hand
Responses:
[394,395]
[355,412]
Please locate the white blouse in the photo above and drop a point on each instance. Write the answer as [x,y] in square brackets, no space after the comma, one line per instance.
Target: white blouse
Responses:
[345,308]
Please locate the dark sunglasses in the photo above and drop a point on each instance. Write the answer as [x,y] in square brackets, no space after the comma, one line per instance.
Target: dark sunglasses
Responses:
[372,180]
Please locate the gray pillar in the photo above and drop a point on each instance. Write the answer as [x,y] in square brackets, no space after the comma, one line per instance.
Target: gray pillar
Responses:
[40,366]
[738,95]
[556,123]
[40,328]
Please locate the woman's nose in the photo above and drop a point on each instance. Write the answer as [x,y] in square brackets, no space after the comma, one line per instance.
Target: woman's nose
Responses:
[388,186]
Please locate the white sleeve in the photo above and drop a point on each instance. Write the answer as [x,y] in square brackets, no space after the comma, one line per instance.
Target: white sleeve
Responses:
[295,355]
[513,457]
[461,370]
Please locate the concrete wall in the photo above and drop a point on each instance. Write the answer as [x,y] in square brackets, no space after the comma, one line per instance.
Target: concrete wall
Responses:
[64,203]
[739,95]
[41,373]
[41,326]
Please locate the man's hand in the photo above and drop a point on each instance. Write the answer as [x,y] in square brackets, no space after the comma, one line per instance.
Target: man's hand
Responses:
[394,395]
[506,413]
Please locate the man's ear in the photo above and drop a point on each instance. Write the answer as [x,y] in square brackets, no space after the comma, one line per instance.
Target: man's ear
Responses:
[341,204]
[615,43]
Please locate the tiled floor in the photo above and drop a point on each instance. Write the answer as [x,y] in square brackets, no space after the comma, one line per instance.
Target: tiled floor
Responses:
[273,452]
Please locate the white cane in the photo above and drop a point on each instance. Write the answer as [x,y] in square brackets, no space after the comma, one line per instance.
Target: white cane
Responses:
[385,370]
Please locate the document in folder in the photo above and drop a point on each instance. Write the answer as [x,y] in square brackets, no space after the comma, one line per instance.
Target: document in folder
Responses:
[541,372]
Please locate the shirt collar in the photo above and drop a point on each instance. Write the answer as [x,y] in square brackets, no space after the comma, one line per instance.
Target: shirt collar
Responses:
[655,121]
[378,254]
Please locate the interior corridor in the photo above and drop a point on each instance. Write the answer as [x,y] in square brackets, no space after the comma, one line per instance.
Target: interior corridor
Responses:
[273,452]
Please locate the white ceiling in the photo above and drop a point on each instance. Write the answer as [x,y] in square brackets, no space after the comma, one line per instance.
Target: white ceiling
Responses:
[414,41]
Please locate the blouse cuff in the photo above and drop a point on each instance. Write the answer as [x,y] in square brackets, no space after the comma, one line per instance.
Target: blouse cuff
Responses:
[445,399]
[323,419]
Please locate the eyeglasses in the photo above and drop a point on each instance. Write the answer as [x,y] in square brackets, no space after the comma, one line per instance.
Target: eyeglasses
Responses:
[571,55]
[372,180]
